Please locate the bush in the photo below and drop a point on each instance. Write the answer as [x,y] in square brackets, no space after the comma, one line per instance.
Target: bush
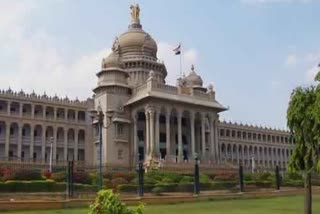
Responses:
[81,177]
[59,176]
[187,187]
[46,174]
[186,179]
[127,188]
[225,176]
[293,176]
[157,190]
[108,203]
[22,174]
[293,183]
[204,178]
[117,181]
[247,177]
[263,176]
[262,184]
[223,185]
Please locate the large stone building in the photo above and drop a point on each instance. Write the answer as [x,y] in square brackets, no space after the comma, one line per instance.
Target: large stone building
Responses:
[144,118]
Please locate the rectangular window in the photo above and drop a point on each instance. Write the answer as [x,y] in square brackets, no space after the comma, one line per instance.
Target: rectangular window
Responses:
[140,135]
[120,129]
[163,137]
[10,154]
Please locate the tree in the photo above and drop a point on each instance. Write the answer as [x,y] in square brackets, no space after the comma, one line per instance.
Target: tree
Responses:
[303,120]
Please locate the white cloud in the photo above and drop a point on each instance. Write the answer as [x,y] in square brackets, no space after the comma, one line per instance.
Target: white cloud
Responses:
[276,1]
[311,73]
[291,60]
[172,62]
[35,63]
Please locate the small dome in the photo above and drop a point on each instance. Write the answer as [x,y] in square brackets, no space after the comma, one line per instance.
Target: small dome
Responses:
[193,80]
[112,61]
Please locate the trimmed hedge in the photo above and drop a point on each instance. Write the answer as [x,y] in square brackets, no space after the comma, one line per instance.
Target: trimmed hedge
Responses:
[263,184]
[41,186]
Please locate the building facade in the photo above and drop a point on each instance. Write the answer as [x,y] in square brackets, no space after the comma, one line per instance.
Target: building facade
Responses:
[144,118]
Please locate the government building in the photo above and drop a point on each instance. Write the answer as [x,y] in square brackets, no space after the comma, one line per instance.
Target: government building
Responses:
[143,118]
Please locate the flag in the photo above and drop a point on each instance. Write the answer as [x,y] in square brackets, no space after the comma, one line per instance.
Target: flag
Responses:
[177,50]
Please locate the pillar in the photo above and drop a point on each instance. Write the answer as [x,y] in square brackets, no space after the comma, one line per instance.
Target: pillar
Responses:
[151,127]
[43,144]
[76,145]
[8,111]
[65,146]
[180,151]
[238,155]
[157,140]
[54,152]
[7,145]
[135,138]
[168,146]
[193,149]
[203,135]
[31,142]
[19,143]
[217,151]
[147,149]
[212,142]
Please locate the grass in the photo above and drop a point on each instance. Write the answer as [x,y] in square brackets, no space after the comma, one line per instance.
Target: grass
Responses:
[280,205]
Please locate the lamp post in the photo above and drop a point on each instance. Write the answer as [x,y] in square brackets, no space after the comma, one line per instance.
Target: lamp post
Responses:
[97,117]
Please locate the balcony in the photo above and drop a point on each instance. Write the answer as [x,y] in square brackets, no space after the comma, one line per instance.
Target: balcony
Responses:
[26,140]
[37,141]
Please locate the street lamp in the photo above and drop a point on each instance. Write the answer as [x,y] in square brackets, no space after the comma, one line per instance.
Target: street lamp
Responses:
[97,117]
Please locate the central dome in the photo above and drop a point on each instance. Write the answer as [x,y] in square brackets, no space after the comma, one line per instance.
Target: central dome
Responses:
[137,41]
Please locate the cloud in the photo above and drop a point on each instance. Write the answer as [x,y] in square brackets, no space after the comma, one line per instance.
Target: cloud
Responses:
[275,1]
[291,60]
[189,56]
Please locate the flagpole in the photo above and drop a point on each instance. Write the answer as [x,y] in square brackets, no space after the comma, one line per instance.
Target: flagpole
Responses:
[180,61]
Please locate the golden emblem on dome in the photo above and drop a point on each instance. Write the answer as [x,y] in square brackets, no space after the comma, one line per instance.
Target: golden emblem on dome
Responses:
[135,12]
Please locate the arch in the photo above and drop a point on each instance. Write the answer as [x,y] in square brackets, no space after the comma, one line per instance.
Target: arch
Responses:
[81,136]
[37,133]
[71,136]
[38,111]
[26,133]
[60,135]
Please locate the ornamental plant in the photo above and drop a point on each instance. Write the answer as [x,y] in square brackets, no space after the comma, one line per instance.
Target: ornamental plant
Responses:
[108,203]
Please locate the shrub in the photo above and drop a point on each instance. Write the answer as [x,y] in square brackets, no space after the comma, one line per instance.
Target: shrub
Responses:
[186,179]
[204,178]
[59,176]
[293,176]
[127,188]
[46,174]
[22,174]
[263,176]
[222,185]
[157,191]
[247,177]
[225,176]
[108,203]
[81,177]
[186,187]
[263,184]
[117,181]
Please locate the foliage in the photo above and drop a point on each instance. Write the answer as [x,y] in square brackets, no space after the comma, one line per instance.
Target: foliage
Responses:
[204,178]
[46,174]
[81,177]
[158,190]
[186,179]
[108,203]
[21,174]
[59,176]
[117,181]
[225,176]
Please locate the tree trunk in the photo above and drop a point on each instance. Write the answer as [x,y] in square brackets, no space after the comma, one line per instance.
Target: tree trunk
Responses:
[308,194]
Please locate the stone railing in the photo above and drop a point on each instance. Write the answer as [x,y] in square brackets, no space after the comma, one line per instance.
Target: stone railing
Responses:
[155,86]
[35,97]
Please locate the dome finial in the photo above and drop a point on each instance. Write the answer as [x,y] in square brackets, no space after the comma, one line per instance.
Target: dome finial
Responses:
[192,68]
[135,13]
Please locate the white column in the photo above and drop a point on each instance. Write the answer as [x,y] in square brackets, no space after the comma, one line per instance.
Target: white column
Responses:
[43,146]
[76,145]
[147,147]
[31,142]
[54,152]
[157,140]
[203,136]
[152,140]
[212,142]
[193,149]
[19,141]
[238,155]
[168,147]
[135,139]
[180,153]
[65,146]
[7,145]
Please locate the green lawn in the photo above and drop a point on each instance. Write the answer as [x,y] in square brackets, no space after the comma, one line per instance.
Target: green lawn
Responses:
[281,205]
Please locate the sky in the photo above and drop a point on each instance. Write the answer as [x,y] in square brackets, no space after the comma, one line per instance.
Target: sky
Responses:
[254,52]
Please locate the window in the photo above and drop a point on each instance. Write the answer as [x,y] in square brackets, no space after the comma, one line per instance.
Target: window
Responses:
[254,136]
[10,154]
[244,135]
[140,135]
[264,137]
[23,132]
[259,137]
[120,129]
[221,132]
[228,133]
[239,134]
[11,131]
[233,133]
[163,137]
[249,136]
